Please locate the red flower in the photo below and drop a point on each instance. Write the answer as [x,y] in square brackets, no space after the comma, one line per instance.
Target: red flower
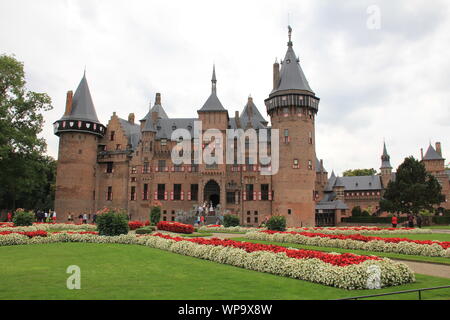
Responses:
[175,227]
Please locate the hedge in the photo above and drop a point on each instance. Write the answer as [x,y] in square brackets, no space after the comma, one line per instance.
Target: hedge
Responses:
[441,220]
[370,219]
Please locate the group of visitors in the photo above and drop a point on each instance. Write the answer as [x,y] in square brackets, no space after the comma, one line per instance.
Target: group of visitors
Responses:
[83,218]
[204,210]
[410,221]
[44,216]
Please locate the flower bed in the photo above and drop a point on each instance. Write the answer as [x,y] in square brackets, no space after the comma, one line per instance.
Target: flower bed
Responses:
[52,226]
[221,228]
[346,271]
[175,227]
[358,242]
[362,229]
[29,234]
[133,225]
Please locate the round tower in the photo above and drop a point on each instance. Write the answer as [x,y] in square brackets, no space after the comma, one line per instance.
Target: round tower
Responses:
[292,107]
[79,131]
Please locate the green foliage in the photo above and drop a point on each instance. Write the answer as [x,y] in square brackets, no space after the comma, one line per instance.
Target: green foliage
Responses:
[112,223]
[27,175]
[359,172]
[155,215]
[413,189]
[145,230]
[372,219]
[23,218]
[230,220]
[276,223]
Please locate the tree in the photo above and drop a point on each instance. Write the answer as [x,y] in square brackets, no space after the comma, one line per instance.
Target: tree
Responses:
[155,215]
[359,172]
[412,190]
[26,174]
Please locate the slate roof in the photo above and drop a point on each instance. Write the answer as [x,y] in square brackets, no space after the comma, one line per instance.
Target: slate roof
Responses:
[132,132]
[432,154]
[291,73]
[213,103]
[252,113]
[165,127]
[318,166]
[355,183]
[385,158]
[82,104]
[331,205]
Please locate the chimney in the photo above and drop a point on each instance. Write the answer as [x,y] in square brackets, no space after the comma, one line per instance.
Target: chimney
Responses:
[236,118]
[68,103]
[438,148]
[276,74]
[158,99]
[154,116]
[321,165]
[131,118]
[421,153]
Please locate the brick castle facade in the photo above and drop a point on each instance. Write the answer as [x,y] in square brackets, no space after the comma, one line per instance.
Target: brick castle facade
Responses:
[128,164]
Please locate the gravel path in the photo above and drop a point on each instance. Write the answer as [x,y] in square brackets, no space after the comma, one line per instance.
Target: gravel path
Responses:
[430,269]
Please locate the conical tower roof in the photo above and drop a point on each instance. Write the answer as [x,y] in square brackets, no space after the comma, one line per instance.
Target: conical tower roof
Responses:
[213,103]
[252,114]
[385,158]
[432,154]
[157,107]
[82,104]
[291,73]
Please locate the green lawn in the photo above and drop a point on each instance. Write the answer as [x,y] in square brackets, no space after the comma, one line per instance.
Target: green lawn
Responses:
[441,260]
[438,227]
[114,271]
[424,236]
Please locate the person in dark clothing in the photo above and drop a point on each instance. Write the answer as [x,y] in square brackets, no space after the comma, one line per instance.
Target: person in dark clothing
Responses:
[419,221]
[411,221]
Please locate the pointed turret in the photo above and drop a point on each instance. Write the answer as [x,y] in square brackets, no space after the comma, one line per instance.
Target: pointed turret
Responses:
[432,154]
[213,103]
[385,159]
[80,114]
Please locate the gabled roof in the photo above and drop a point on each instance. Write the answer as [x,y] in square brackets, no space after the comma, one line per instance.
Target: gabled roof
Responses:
[132,132]
[165,127]
[82,105]
[361,183]
[432,154]
[319,167]
[157,107]
[291,73]
[252,113]
[213,103]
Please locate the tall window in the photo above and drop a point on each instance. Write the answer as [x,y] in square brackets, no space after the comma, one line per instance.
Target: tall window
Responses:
[177,192]
[249,191]
[286,135]
[146,167]
[112,135]
[161,191]
[145,195]
[194,192]
[133,193]
[230,197]
[264,192]
[310,165]
[109,194]
[109,167]
[161,165]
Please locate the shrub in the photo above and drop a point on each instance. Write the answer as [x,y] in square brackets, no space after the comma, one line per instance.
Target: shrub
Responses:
[276,223]
[112,223]
[155,215]
[356,211]
[145,230]
[23,218]
[230,220]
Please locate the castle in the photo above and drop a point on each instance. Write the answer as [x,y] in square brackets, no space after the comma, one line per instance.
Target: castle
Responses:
[128,165]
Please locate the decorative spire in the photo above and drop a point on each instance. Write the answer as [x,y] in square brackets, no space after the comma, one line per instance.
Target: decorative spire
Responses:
[385,158]
[289,35]
[214,81]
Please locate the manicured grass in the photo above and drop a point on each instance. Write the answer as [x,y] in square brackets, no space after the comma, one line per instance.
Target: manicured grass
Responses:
[438,227]
[114,271]
[196,235]
[214,231]
[440,260]
[425,236]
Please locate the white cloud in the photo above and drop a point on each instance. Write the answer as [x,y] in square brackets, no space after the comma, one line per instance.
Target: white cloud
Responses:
[390,83]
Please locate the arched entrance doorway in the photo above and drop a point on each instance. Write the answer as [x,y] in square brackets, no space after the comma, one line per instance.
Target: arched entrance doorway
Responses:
[212,192]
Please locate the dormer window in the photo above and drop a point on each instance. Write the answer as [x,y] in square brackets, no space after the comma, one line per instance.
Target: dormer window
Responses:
[174,127]
[163,142]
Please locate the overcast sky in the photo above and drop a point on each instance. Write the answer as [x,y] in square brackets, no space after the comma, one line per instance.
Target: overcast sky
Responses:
[390,83]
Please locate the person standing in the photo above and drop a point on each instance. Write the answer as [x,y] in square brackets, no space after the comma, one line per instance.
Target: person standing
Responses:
[419,221]
[394,222]
[54,217]
[94,217]
[410,221]
[80,217]
[85,218]
[9,216]
[69,217]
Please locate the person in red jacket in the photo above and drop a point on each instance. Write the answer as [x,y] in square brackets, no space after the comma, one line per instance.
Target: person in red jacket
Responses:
[394,222]
[9,217]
